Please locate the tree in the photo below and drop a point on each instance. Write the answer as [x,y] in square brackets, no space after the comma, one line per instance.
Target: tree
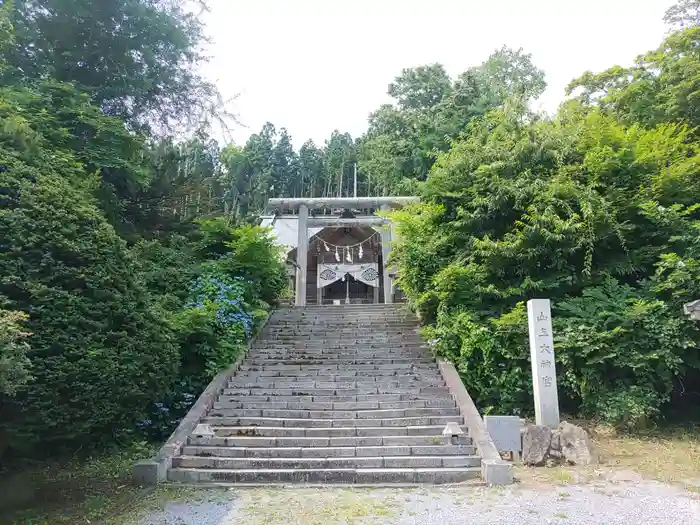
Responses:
[420,88]
[685,13]
[99,348]
[285,167]
[507,74]
[403,140]
[311,174]
[136,59]
[663,85]
[340,156]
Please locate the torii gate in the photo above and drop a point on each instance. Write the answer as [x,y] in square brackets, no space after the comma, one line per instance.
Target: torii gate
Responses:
[303,206]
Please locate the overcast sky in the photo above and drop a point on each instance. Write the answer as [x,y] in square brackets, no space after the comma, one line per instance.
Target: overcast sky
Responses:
[313,66]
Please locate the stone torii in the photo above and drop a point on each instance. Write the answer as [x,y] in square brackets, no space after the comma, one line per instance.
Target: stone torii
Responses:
[303,205]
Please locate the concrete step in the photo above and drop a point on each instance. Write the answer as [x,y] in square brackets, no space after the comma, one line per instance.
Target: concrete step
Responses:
[344,320]
[395,367]
[255,360]
[411,382]
[324,351]
[335,338]
[328,452]
[302,354]
[333,414]
[297,398]
[303,335]
[345,328]
[337,348]
[330,442]
[342,392]
[336,374]
[326,476]
[342,313]
[216,420]
[373,324]
[417,404]
[333,395]
[326,463]
[326,432]
[286,355]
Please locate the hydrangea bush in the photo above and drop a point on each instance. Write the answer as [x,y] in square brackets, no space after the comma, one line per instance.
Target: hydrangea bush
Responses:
[214,328]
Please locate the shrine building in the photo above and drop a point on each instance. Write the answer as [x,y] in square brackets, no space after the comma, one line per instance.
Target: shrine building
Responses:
[336,248]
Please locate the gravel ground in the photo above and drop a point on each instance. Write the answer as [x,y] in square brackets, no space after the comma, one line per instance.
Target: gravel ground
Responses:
[639,503]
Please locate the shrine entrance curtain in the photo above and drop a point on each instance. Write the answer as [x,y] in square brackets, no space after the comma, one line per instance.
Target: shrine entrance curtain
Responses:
[367,273]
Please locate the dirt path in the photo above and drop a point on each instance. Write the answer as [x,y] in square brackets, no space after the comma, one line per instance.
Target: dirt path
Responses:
[604,503]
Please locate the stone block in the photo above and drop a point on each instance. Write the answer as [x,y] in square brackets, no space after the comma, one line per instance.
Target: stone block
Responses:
[328,452]
[496,472]
[536,440]
[383,451]
[380,414]
[149,472]
[202,435]
[356,405]
[443,476]
[424,431]
[371,476]
[330,432]
[342,476]
[575,444]
[505,432]
[413,462]
[460,461]
[381,431]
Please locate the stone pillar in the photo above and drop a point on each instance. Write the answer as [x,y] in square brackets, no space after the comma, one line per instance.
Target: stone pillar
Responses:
[386,250]
[544,373]
[302,255]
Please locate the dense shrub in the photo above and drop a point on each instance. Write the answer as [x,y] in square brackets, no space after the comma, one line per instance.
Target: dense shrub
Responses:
[227,297]
[585,211]
[100,353]
[215,324]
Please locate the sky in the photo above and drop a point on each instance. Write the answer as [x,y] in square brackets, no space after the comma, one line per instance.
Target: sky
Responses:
[314,66]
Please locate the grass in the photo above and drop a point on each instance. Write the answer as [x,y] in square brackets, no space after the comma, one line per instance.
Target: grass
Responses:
[669,455]
[316,506]
[73,491]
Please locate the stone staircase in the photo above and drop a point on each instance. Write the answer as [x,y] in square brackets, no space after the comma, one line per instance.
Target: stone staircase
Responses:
[332,394]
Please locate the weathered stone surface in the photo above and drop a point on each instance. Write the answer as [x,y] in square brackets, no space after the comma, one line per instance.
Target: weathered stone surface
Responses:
[575,444]
[331,401]
[555,444]
[536,440]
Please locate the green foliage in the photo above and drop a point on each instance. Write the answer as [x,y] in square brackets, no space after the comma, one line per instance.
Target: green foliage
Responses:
[99,351]
[619,351]
[595,209]
[139,65]
[136,290]
[14,364]
[214,325]
[255,258]
[491,356]
[662,86]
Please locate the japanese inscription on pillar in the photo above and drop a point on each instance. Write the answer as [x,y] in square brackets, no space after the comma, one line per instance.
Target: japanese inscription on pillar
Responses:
[544,376]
